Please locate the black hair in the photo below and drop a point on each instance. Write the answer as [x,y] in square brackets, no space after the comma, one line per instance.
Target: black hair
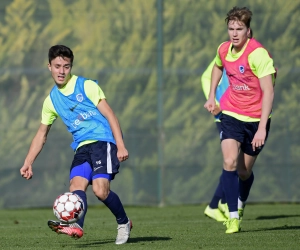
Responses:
[60,51]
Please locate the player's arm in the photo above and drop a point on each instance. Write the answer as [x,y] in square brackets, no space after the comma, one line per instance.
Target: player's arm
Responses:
[264,69]
[106,110]
[217,110]
[206,79]
[35,148]
[96,95]
[267,87]
[216,75]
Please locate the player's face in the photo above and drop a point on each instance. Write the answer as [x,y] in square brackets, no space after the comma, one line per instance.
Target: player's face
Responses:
[238,34]
[60,70]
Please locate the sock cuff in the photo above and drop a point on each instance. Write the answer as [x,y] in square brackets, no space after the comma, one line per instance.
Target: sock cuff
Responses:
[230,172]
[109,198]
[80,193]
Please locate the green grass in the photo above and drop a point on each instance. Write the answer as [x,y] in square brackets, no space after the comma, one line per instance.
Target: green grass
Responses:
[264,226]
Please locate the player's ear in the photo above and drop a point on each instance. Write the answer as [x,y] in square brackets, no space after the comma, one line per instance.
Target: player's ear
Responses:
[49,66]
[249,33]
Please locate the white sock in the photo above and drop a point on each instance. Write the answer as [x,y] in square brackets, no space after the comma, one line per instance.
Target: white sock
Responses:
[241,204]
[234,215]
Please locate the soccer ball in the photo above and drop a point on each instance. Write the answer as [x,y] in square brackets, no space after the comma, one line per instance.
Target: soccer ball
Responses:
[68,207]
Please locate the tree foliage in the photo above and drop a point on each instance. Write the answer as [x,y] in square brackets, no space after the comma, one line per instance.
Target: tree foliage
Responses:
[115,42]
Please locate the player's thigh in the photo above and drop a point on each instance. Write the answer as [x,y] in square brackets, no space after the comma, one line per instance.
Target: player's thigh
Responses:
[80,176]
[78,183]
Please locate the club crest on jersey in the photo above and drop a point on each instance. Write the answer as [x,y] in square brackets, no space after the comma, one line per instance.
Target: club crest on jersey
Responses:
[79,97]
[242,69]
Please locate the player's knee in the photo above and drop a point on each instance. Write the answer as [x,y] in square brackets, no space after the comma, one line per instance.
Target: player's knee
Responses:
[101,193]
[229,164]
[243,174]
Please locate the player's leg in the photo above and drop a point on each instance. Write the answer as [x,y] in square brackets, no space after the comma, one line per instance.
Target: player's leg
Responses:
[78,186]
[222,204]
[246,178]
[216,207]
[80,177]
[246,162]
[218,195]
[212,210]
[105,166]
[101,188]
[231,137]
[230,150]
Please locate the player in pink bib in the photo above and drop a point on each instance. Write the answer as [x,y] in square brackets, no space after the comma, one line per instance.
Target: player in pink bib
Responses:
[245,94]
[246,109]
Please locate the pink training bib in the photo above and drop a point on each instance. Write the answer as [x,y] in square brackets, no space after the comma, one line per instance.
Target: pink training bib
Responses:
[244,95]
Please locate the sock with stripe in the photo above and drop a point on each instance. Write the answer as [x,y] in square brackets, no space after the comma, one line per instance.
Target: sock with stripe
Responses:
[231,189]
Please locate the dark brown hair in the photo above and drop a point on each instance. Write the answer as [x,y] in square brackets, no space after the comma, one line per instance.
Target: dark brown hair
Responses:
[60,51]
[239,14]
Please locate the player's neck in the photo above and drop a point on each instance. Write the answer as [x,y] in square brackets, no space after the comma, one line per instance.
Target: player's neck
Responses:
[235,50]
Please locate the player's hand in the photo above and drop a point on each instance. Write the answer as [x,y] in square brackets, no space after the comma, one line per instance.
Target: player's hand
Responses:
[26,172]
[122,154]
[259,138]
[217,110]
[210,105]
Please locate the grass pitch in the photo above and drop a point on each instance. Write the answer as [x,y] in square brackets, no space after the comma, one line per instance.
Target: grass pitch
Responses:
[264,226]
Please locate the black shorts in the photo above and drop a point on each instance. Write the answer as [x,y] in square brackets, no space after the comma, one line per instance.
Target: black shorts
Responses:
[95,160]
[219,127]
[243,132]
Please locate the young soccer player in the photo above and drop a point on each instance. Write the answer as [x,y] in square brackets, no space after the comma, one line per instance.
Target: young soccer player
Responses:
[246,107]
[217,208]
[98,143]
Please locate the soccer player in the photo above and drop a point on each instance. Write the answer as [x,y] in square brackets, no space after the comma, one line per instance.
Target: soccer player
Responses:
[246,108]
[98,143]
[217,208]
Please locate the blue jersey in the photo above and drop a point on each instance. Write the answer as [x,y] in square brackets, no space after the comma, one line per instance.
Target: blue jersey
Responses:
[82,118]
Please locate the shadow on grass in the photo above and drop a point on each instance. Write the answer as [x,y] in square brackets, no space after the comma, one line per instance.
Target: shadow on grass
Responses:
[147,239]
[273,217]
[131,240]
[285,227]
